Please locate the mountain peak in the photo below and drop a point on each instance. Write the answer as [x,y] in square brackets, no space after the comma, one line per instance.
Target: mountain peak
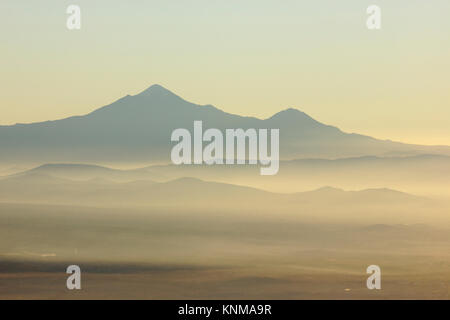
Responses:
[156,89]
[291,115]
[160,95]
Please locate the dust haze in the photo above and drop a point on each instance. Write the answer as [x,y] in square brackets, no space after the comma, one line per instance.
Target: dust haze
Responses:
[189,238]
[98,191]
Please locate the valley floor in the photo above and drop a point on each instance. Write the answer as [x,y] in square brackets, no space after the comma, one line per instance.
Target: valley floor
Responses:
[148,254]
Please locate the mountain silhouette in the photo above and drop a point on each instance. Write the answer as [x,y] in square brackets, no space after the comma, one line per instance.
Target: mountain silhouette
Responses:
[138,128]
[91,172]
[37,186]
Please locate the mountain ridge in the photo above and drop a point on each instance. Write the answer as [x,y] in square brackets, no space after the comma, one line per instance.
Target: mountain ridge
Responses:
[138,128]
[191,186]
[41,171]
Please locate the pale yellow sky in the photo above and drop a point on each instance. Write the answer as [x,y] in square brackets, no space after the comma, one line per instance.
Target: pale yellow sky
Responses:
[246,57]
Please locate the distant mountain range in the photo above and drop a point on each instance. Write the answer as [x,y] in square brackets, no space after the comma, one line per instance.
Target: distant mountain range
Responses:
[421,174]
[38,186]
[138,129]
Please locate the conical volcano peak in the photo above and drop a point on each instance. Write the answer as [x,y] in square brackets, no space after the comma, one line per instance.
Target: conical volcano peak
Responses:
[139,128]
[157,89]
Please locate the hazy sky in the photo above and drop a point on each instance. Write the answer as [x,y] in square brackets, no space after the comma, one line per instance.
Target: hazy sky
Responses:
[245,57]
